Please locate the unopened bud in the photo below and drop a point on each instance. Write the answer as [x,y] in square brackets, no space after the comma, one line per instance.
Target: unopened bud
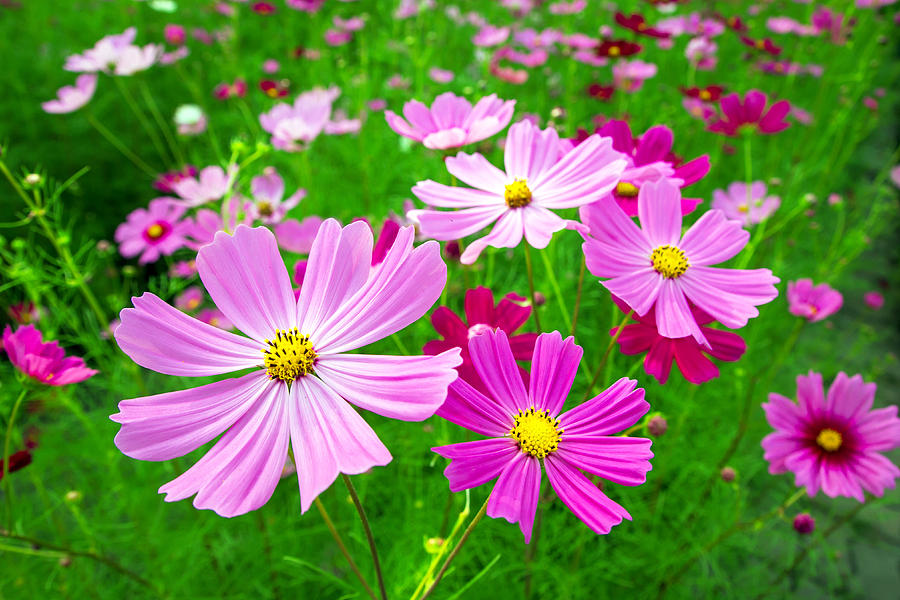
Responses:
[33,179]
[65,561]
[804,523]
[539,299]
[728,474]
[73,496]
[657,426]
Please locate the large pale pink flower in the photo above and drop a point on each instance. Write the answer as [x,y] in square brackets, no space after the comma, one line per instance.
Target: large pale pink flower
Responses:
[71,98]
[116,55]
[525,428]
[451,121]
[303,376]
[43,361]
[834,442]
[537,179]
[655,266]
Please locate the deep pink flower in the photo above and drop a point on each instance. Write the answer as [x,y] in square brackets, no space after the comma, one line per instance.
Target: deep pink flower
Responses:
[225,90]
[750,114]
[17,460]
[263,8]
[833,442]
[71,98]
[268,192]
[274,89]
[748,208]
[167,180]
[153,232]
[481,315]
[763,45]
[638,24]
[526,429]
[174,34]
[655,265]
[43,361]
[537,179]
[641,337]
[804,523]
[294,127]
[873,300]
[451,121]
[304,389]
[814,303]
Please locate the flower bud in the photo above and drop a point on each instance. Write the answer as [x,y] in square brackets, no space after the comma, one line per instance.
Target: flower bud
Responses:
[539,299]
[804,523]
[33,179]
[728,474]
[657,426]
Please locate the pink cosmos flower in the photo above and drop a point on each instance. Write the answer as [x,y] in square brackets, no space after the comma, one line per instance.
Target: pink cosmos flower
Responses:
[270,65]
[190,299]
[750,114]
[568,8]
[440,75]
[24,313]
[153,232]
[43,361]
[304,378]
[294,127]
[833,442]
[202,229]
[526,429]
[70,98]
[183,269]
[481,315]
[654,265]
[701,51]
[166,180]
[341,124]
[268,191]
[873,300]
[351,24]
[337,37]
[225,90]
[116,55]
[210,185]
[298,236]
[537,179]
[309,6]
[451,121]
[489,36]
[643,336]
[813,302]
[216,318]
[174,34]
[629,75]
[747,206]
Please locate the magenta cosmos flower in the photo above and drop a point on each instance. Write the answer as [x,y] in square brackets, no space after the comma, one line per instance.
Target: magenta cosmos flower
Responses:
[538,178]
[451,121]
[526,429]
[45,362]
[749,206]
[833,442]
[655,266]
[751,114]
[481,316]
[643,337]
[70,98]
[813,302]
[153,232]
[303,377]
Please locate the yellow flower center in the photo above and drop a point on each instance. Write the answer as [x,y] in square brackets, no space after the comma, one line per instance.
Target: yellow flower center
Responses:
[743,208]
[536,432]
[264,208]
[829,440]
[155,231]
[761,44]
[517,194]
[628,190]
[705,95]
[669,261]
[289,356]
[614,51]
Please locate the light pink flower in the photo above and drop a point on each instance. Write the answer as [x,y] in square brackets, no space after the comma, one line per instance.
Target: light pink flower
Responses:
[451,121]
[153,232]
[813,302]
[71,98]
[537,179]
[302,394]
[216,318]
[133,59]
[340,124]
[750,207]
[489,36]
[43,361]
[298,236]
[629,75]
[103,56]
[211,185]
[270,65]
[337,37]
[702,52]
[190,299]
[268,191]
[440,75]
[567,8]
[656,266]
[293,127]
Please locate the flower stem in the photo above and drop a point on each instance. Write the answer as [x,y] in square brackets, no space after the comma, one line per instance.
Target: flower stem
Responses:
[427,578]
[161,123]
[462,540]
[369,537]
[556,291]
[578,295]
[6,482]
[142,119]
[121,147]
[343,548]
[534,308]
[612,342]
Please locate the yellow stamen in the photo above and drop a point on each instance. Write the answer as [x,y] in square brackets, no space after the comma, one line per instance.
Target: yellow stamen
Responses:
[264,208]
[628,190]
[705,95]
[155,231]
[761,44]
[669,261]
[517,194]
[536,432]
[829,440]
[614,51]
[289,356]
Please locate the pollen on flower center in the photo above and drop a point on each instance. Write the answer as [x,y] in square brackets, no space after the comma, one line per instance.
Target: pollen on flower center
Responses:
[829,440]
[289,356]
[669,261]
[536,432]
[705,95]
[155,231]
[264,208]
[614,51]
[517,194]
[627,190]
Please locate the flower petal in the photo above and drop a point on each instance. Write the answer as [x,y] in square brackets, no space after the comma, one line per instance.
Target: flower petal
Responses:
[475,463]
[468,407]
[493,359]
[515,496]
[582,497]
[553,368]
[613,410]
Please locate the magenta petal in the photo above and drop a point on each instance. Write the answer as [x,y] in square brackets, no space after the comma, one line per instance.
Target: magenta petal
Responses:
[410,388]
[475,463]
[328,437]
[469,408]
[493,359]
[166,426]
[655,144]
[582,497]
[623,460]
[553,368]
[660,355]
[695,367]
[241,470]
[613,410]
[246,278]
[515,495]
[479,306]
[160,337]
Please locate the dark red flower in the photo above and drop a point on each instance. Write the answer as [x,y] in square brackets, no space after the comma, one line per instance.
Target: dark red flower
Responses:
[710,93]
[638,24]
[263,8]
[617,48]
[733,23]
[274,89]
[166,180]
[600,92]
[763,44]
[481,315]
[17,460]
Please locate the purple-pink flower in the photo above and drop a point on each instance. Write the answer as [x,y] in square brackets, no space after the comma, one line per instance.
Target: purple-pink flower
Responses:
[451,121]
[813,302]
[629,75]
[211,184]
[749,206]
[654,265]
[155,231]
[751,113]
[304,377]
[538,177]
[268,192]
[116,55]
[834,442]
[526,429]
[70,98]
[43,361]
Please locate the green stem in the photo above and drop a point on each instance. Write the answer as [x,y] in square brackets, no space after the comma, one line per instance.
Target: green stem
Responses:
[369,537]
[462,540]
[6,480]
[556,290]
[343,548]
[142,119]
[161,123]
[121,147]
[612,342]
[534,308]
[578,295]
[427,578]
